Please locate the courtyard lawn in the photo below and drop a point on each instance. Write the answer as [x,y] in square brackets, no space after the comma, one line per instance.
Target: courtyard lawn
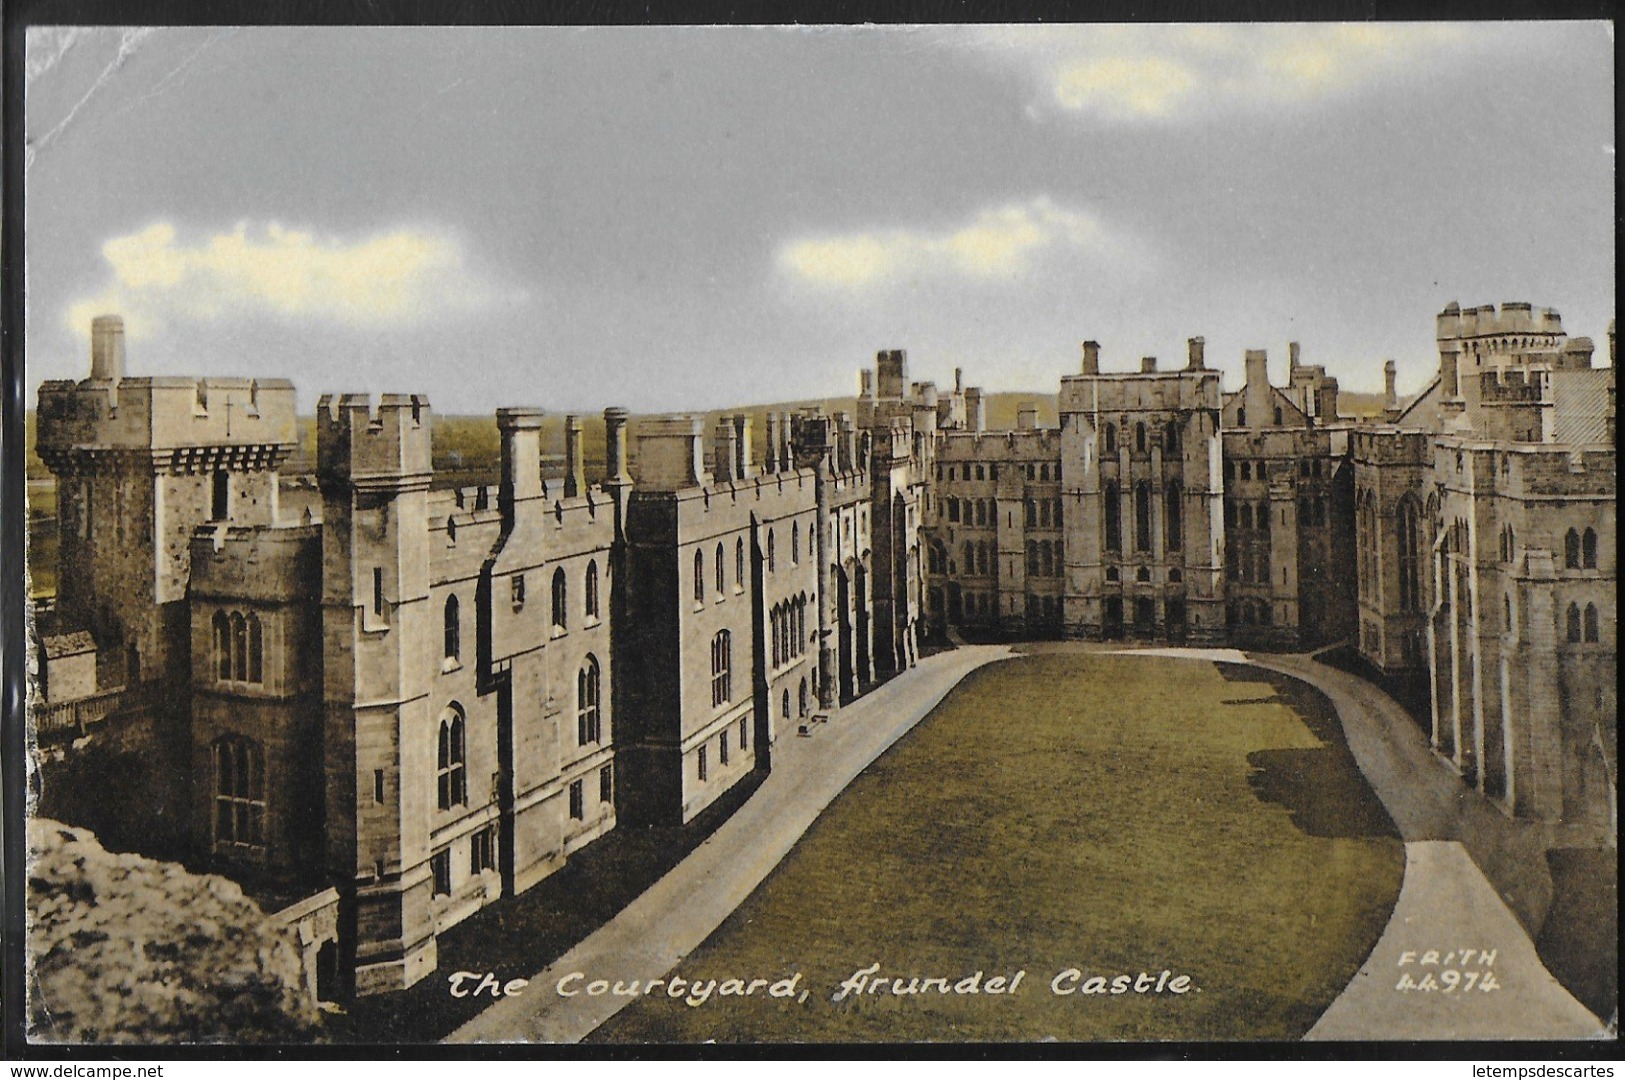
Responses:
[1068,810]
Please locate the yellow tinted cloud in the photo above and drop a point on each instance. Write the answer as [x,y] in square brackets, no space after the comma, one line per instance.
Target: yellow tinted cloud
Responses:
[1152,72]
[398,278]
[999,242]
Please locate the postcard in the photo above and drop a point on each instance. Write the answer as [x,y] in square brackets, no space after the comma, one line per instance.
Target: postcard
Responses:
[843,535]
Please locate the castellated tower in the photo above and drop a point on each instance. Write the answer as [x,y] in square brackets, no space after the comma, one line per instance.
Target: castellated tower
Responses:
[373,470]
[140,463]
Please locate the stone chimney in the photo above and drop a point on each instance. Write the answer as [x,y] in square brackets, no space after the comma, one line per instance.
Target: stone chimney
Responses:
[772,461]
[1195,349]
[107,347]
[1292,355]
[575,478]
[725,451]
[1091,358]
[615,447]
[1449,361]
[671,454]
[959,373]
[1256,394]
[1390,398]
[975,409]
[744,458]
[1148,364]
[521,432]
[1027,417]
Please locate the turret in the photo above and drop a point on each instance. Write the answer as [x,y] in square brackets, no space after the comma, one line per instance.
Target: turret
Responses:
[891,369]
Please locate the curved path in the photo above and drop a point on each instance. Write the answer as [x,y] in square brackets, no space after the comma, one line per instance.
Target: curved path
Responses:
[651,935]
[1446,906]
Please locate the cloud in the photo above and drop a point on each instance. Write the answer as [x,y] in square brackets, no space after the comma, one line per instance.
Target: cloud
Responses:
[999,243]
[1151,73]
[398,278]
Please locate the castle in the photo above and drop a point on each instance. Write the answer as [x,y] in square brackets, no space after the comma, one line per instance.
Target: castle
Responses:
[408,701]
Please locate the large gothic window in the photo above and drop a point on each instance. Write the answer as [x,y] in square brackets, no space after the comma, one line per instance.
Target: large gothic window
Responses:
[1410,560]
[589,727]
[239,793]
[1112,512]
[1142,517]
[721,668]
[451,772]
[1173,517]
[238,647]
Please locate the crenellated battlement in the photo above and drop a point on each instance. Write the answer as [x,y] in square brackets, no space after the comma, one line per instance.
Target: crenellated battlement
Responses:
[357,437]
[1514,318]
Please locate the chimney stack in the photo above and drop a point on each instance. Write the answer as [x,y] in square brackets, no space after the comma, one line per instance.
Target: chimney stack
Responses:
[521,432]
[107,347]
[1091,358]
[575,479]
[615,447]
[1449,360]
[744,460]
[1148,364]
[724,452]
[1292,355]
[1256,394]
[959,377]
[1196,347]
[1390,399]
[772,464]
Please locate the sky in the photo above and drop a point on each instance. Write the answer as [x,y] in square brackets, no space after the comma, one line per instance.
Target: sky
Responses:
[691,218]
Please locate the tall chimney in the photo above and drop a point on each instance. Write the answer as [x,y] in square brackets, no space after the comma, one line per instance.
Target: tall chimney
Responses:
[975,409]
[786,454]
[771,463]
[744,459]
[575,480]
[1256,394]
[724,452]
[1449,361]
[107,347]
[1292,355]
[959,377]
[1390,399]
[521,432]
[1196,347]
[1091,358]
[615,447]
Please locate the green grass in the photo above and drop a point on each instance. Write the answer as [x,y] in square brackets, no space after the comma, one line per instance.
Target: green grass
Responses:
[1112,814]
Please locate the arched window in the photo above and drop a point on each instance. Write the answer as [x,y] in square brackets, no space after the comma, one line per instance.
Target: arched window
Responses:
[772,559]
[1172,438]
[1507,547]
[1277,416]
[1588,550]
[795,542]
[1113,516]
[776,633]
[590,591]
[239,647]
[1111,438]
[699,576]
[1046,552]
[1032,558]
[1139,437]
[451,760]
[739,564]
[1571,550]
[589,727]
[1246,470]
[801,699]
[1246,515]
[1142,516]
[222,646]
[453,629]
[1574,623]
[721,668]
[1264,518]
[1410,555]
[970,558]
[1172,517]
[1032,514]
[981,511]
[239,793]
[982,561]
[784,708]
[953,508]
[561,616]
[1241,416]
[1591,627]
[722,571]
